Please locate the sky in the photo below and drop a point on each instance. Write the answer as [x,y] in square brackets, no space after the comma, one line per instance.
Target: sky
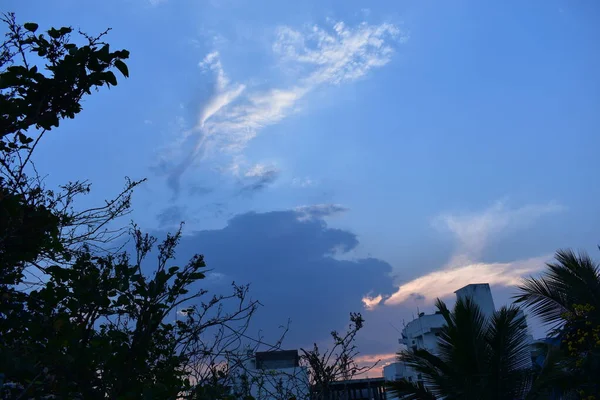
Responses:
[343,155]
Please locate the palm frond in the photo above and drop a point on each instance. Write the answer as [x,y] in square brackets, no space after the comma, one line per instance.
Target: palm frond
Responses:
[434,373]
[572,279]
[460,342]
[509,356]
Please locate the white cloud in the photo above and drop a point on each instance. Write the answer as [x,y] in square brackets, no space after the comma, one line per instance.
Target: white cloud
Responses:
[155,3]
[372,302]
[259,176]
[339,55]
[236,113]
[473,232]
[258,170]
[444,282]
[215,276]
[303,182]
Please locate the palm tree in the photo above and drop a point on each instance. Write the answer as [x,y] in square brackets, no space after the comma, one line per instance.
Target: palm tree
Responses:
[567,298]
[570,282]
[477,359]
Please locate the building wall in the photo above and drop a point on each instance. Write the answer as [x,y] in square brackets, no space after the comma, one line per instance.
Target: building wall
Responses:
[421,332]
[481,294]
[278,376]
[394,371]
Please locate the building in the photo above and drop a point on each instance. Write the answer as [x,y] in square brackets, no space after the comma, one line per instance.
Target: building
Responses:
[272,374]
[480,294]
[357,389]
[279,375]
[422,332]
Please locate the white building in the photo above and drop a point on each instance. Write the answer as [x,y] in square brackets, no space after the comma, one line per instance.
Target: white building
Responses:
[480,294]
[422,332]
[272,375]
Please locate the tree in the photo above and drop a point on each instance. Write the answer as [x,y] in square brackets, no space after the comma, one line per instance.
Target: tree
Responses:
[79,317]
[336,364]
[476,359]
[567,298]
[34,96]
[104,329]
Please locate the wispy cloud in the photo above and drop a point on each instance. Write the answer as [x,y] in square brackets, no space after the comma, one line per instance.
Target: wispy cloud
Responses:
[171,216]
[236,112]
[156,2]
[473,232]
[339,55]
[303,182]
[444,282]
[318,211]
[258,177]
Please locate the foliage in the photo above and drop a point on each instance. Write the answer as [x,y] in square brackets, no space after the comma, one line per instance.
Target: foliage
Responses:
[566,297]
[43,79]
[79,317]
[476,358]
[31,96]
[102,328]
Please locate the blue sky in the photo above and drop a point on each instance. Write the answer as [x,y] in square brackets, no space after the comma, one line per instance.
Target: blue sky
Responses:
[357,152]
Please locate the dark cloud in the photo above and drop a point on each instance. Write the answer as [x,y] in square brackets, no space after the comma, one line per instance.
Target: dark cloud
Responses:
[198,190]
[258,181]
[171,216]
[287,261]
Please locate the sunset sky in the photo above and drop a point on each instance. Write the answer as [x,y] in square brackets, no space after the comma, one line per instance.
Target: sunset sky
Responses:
[346,155]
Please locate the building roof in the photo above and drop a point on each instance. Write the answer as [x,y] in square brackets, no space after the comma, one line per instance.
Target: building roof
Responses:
[280,355]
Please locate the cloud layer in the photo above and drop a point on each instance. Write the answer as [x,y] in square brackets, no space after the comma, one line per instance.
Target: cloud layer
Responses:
[443,283]
[287,260]
[235,113]
[473,232]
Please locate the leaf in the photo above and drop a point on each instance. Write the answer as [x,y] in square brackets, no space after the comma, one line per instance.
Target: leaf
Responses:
[196,276]
[65,30]
[24,139]
[122,300]
[53,33]
[122,67]
[30,26]
[104,53]
[58,324]
[110,78]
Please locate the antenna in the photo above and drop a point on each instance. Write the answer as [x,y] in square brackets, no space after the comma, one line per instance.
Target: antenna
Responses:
[421,329]
[397,330]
